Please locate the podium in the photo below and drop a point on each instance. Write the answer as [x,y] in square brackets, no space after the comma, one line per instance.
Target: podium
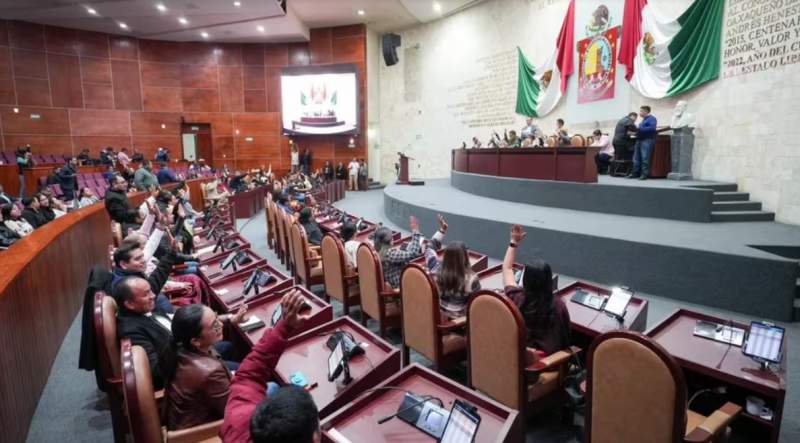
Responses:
[402,172]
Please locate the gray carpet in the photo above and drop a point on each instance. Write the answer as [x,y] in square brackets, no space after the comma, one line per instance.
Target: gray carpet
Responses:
[72,410]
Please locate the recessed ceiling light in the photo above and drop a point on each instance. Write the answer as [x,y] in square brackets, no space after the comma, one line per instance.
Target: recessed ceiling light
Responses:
[91,11]
[183,21]
[437,6]
[361,12]
[16,110]
[161,7]
[204,34]
[237,4]
[261,28]
[123,25]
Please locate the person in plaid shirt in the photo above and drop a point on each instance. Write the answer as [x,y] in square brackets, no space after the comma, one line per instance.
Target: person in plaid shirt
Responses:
[393,260]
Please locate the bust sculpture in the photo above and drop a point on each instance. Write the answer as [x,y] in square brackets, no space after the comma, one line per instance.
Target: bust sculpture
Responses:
[680,117]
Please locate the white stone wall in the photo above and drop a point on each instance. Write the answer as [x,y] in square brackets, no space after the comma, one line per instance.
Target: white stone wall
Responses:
[748,127]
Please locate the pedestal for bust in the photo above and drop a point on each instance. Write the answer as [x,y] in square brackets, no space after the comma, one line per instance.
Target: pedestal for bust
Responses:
[681,148]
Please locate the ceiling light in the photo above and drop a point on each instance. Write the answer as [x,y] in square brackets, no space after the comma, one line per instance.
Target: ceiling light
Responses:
[237,4]
[161,7]
[204,34]
[261,28]
[123,25]
[183,21]
[91,11]
[361,12]
[437,7]
[16,110]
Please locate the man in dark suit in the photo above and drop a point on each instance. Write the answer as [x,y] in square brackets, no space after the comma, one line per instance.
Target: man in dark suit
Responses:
[67,179]
[32,212]
[305,161]
[143,323]
[117,205]
[622,136]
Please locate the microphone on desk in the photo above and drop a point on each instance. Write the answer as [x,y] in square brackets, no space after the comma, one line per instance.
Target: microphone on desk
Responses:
[406,408]
[730,342]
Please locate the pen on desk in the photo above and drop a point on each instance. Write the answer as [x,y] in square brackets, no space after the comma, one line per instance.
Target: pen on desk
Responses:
[311,386]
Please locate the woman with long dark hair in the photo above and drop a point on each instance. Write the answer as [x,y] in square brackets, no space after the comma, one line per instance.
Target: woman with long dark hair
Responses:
[456,280]
[198,380]
[546,316]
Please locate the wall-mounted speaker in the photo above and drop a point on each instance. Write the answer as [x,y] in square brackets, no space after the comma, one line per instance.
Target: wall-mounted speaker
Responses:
[390,43]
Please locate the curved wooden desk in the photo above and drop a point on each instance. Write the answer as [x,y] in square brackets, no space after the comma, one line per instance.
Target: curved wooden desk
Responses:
[568,163]
[43,278]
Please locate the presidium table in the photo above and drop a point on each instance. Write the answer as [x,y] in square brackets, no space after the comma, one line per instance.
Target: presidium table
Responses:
[574,164]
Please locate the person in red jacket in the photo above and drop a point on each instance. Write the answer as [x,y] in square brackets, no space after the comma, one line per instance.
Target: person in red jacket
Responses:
[249,386]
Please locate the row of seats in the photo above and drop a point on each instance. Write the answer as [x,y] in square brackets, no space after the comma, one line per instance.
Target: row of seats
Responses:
[495,338]
[10,158]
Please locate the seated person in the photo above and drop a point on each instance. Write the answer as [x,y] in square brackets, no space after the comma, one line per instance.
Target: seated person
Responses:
[165,174]
[455,280]
[198,380]
[561,134]
[7,236]
[511,139]
[44,207]
[86,197]
[347,232]
[129,261]
[393,260]
[279,418]
[603,158]
[476,143]
[32,212]
[546,317]
[313,233]
[528,142]
[12,219]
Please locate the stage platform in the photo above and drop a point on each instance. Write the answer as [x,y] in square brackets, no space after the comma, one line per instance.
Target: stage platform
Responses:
[749,267]
[697,201]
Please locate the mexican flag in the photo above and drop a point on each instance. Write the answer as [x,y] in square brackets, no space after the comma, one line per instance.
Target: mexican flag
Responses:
[666,56]
[540,89]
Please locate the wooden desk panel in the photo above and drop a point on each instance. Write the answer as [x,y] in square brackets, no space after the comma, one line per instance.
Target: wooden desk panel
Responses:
[724,363]
[590,322]
[308,354]
[263,307]
[228,292]
[566,163]
[358,421]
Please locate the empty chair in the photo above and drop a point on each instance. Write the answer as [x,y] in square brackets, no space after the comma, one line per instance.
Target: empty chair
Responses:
[270,223]
[97,175]
[497,357]
[378,300]
[578,140]
[653,408]
[338,283]
[423,327]
[140,402]
[56,190]
[281,249]
[307,262]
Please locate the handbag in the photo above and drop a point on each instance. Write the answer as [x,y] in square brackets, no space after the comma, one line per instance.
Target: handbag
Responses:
[576,375]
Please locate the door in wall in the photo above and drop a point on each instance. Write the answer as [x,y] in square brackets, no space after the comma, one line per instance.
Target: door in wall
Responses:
[197,142]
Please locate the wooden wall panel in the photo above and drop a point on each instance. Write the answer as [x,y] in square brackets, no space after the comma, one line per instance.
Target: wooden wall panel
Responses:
[121,90]
[65,80]
[127,89]
[162,99]
[45,144]
[98,96]
[7,96]
[96,70]
[95,143]
[50,121]
[90,122]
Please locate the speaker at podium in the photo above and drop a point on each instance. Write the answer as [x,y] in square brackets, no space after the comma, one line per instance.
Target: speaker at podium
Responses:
[402,171]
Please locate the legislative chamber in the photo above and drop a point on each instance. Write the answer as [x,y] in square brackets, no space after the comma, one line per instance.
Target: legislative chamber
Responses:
[400,221]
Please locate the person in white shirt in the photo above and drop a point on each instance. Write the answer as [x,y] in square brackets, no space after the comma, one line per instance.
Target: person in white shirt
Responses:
[530,129]
[295,159]
[352,169]
[85,198]
[12,219]
[350,246]
[606,154]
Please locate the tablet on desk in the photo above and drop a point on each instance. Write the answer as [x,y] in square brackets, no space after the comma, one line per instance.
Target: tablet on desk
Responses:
[764,342]
[594,301]
[618,302]
[462,425]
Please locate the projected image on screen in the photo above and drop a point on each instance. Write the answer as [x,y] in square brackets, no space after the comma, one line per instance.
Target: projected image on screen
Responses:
[319,103]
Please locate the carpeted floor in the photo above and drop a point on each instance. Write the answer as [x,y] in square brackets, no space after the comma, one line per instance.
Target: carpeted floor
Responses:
[71,409]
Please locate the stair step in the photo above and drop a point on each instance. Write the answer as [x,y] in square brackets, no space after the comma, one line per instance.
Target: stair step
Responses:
[736,206]
[726,196]
[375,185]
[741,216]
[719,187]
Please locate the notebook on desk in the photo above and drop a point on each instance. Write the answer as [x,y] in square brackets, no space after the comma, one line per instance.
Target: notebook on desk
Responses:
[582,297]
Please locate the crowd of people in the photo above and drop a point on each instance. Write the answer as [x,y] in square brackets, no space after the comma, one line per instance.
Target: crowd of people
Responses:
[629,143]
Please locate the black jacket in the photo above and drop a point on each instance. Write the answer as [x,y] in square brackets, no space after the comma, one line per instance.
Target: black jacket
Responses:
[99,280]
[66,181]
[313,234]
[7,237]
[341,172]
[147,332]
[118,207]
[35,218]
[624,125]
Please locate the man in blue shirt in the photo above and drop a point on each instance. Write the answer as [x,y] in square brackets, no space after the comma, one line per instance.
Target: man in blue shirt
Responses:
[645,143]
[165,174]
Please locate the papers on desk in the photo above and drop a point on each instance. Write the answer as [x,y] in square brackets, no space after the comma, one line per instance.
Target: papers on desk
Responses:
[720,333]
[205,250]
[252,323]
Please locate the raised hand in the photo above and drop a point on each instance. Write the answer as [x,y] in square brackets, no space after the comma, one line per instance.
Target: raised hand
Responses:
[291,304]
[442,223]
[240,316]
[413,223]
[517,234]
